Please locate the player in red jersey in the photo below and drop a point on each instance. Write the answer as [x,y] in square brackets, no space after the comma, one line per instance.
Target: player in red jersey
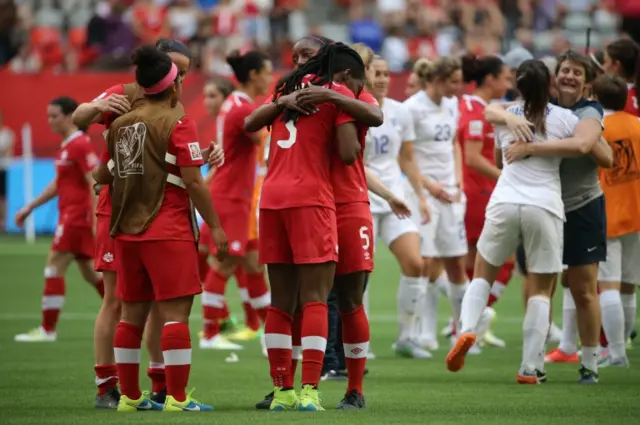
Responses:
[298,231]
[492,80]
[622,58]
[232,189]
[74,235]
[104,109]
[160,225]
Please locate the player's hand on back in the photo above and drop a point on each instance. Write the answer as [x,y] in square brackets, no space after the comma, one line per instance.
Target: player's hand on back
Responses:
[290,101]
[116,103]
[216,155]
[221,243]
[517,150]
[520,128]
[314,95]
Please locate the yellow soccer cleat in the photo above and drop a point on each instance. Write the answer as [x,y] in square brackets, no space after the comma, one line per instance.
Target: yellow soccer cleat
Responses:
[144,403]
[310,399]
[245,334]
[189,404]
[284,400]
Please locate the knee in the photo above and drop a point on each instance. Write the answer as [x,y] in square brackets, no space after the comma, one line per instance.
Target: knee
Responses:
[412,266]
[112,307]
[456,270]
[584,296]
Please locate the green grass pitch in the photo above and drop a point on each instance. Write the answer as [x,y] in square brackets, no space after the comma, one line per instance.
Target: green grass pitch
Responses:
[51,384]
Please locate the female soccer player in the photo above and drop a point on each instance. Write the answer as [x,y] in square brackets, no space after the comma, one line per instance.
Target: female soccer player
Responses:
[104,109]
[299,237]
[585,227]
[74,235]
[475,135]
[388,154]
[158,226]
[232,189]
[434,110]
[525,204]
[622,58]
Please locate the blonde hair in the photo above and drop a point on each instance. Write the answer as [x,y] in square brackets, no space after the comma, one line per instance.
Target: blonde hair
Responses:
[365,53]
[442,68]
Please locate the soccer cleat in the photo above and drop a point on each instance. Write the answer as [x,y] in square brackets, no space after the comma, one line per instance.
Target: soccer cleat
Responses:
[608,361]
[189,404]
[633,334]
[309,399]
[284,400]
[144,403]
[411,350]
[245,334]
[447,331]
[370,355]
[265,404]
[455,358]
[531,376]
[159,397]
[219,342]
[36,335]
[587,376]
[629,344]
[332,375]
[427,343]
[558,356]
[352,400]
[554,335]
[490,339]
[228,326]
[108,400]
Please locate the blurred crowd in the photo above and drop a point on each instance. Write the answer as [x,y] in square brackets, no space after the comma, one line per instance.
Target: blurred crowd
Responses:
[67,35]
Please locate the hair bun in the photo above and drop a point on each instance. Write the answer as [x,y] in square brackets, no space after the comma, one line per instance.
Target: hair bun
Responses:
[422,68]
[145,55]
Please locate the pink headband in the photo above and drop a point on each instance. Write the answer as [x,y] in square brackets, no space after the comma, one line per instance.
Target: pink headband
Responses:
[165,83]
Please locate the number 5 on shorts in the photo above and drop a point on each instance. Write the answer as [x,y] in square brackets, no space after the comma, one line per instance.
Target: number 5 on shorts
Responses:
[366,243]
[293,133]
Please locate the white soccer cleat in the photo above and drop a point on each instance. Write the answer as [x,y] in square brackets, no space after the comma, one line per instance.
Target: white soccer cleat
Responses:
[555,334]
[370,355]
[36,335]
[447,331]
[409,349]
[429,344]
[490,339]
[219,342]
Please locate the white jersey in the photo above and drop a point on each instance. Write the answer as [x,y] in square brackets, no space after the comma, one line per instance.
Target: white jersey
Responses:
[435,128]
[382,148]
[534,180]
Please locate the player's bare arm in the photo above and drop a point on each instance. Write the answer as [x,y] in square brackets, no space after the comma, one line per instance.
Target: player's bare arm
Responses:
[199,195]
[49,192]
[264,115]
[375,185]
[436,190]
[473,158]
[94,198]
[363,112]
[602,154]
[586,135]
[213,155]
[102,175]
[496,114]
[409,167]
[91,112]
[348,145]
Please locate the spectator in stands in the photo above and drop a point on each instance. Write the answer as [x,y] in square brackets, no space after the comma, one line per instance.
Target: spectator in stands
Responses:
[513,59]
[27,61]
[150,21]
[118,37]
[630,11]
[8,21]
[363,28]
[6,151]
[184,20]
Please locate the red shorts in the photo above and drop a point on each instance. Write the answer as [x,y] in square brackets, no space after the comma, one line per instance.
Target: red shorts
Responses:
[76,240]
[355,238]
[234,218]
[474,217]
[104,252]
[303,235]
[157,270]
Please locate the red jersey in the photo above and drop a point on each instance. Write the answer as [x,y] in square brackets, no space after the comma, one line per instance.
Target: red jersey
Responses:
[632,102]
[236,178]
[174,221]
[473,127]
[349,181]
[75,159]
[300,157]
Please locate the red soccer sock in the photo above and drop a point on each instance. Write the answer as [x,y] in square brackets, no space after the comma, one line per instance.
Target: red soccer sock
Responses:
[469,273]
[501,282]
[259,294]
[100,287]
[106,377]
[277,332]
[603,339]
[176,350]
[315,326]
[213,303]
[126,343]
[156,372]
[355,337]
[296,340]
[52,302]
[203,265]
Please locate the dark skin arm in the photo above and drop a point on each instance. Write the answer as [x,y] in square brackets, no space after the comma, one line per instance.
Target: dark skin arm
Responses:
[370,115]
[348,145]
[264,115]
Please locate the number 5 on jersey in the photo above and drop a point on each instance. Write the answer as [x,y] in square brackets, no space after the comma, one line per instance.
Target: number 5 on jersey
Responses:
[293,134]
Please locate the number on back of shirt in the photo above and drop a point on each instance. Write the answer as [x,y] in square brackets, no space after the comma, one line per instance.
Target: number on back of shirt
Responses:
[293,134]
[443,132]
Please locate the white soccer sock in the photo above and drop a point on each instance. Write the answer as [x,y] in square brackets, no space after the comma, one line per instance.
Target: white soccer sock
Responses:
[409,291]
[429,315]
[629,308]
[534,330]
[473,304]
[568,343]
[590,358]
[613,322]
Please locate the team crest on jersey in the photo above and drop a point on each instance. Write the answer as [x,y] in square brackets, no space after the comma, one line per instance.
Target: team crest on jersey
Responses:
[107,257]
[130,149]
[194,150]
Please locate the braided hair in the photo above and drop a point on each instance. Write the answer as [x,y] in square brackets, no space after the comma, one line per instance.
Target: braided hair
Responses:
[330,59]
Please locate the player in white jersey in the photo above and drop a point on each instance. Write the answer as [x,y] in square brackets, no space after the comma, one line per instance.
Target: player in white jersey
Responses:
[435,117]
[526,205]
[388,153]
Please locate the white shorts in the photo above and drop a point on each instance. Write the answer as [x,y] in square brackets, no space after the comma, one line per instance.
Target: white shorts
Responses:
[541,233]
[623,260]
[389,227]
[445,235]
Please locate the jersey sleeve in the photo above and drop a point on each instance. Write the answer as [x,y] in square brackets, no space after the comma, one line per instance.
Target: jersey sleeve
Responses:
[84,155]
[184,143]
[407,129]
[474,129]
[342,117]
[108,117]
